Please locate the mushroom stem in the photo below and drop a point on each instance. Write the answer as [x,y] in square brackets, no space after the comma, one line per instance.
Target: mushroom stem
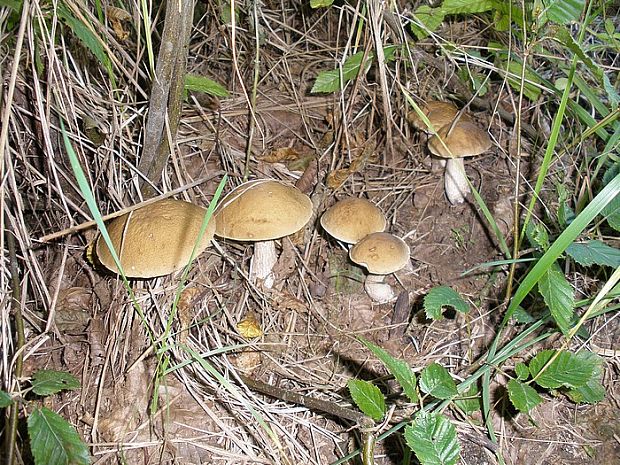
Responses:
[262,263]
[377,290]
[455,181]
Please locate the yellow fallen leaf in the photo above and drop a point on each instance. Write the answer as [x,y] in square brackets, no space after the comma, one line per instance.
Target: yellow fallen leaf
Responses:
[249,327]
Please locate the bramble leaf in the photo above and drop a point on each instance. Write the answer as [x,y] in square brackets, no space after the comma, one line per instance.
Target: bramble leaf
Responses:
[436,381]
[368,398]
[440,297]
[432,437]
[47,382]
[523,396]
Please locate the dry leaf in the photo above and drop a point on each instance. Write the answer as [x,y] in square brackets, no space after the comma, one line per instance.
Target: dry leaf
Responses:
[249,327]
[184,311]
[288,302]
[117,16]
[247,361]
[336,178]
[281,155]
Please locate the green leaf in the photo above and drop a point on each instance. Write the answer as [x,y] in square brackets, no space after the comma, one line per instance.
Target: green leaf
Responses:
[54,441]
[368,398]
[470,401]
[86,36]
[567,369]
[197,83]
[564,11]
[15,5]
[432,438]
[523,396]
[450,7]
[321,3]
[5,399]
[47,382]
[522,316]
[399,368]
[427,20]
[559,297]
[612,210]
[443,296]
[530,88]
[522,371]
[329,81]
[593,391]
[594,253]
[436,381]
[537,235]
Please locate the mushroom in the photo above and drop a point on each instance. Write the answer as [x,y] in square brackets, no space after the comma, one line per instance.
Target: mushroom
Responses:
[156,239]
[350,219]
[261,211]
[454,142]
[381,253]
[438,113]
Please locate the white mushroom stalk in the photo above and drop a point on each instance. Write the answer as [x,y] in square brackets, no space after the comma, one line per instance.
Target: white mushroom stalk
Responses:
[379,291]
[261,266]
[455,181]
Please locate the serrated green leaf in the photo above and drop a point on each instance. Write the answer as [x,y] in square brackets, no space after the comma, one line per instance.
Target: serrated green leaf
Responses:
[450,7]
[567,370]
[537,235]
[436,381]
[399,369]
[593,391]
[329,81]
[427,20]
[440,297]
[523,396]
[320,3]
[594,253]
[522,371]
[53,441]
[368,398]
[432,438]
[86,36]
[47,382]
[522,316]
[5,399]
[559,297]
[470,400]
[564,11]
[197,83]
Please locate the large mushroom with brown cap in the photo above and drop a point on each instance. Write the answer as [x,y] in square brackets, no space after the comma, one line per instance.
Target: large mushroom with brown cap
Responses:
[261,211]
[156,239]
[350,219]
[454,143]
[439,114]
[382,254]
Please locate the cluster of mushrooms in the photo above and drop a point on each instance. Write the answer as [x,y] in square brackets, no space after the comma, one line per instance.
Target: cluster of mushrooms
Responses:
[160,238]
[453,136]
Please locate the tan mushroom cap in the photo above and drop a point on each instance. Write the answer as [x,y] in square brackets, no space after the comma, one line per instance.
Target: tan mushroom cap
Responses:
[262,210]
[351,219]
[438,113]
[381,253]
[464,140]
[155,240]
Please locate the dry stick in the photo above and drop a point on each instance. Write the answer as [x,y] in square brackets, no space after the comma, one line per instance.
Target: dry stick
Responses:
[90,224]
[167,93]
[11,422]
[364,423]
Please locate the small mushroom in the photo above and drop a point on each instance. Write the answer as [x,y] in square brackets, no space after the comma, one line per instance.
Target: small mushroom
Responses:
[381,253]
[351,219]
[438,113]
[261,211]
[454,142]
[155,240]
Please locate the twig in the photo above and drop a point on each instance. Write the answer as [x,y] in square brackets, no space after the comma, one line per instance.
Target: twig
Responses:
[11,423]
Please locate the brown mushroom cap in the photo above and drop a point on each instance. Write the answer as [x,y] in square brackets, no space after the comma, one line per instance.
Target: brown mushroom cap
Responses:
[464,140]
[381,253]
[155,240]
[438,113]
[351,219]
[262,210]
